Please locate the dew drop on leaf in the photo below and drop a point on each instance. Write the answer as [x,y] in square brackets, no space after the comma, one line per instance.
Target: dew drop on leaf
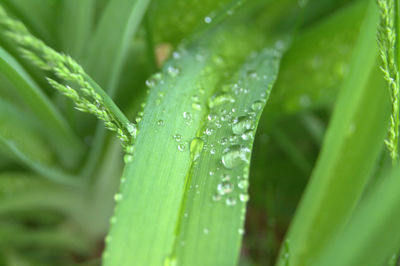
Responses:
[234,156]
[187,116]
[243,184]
[118,197]
[177,137]
[244,197]
[216,197]
[196,106]
[219,99]
[196,146]
[128,158]
[225,177]
[173,71]
[230,201]
[241,124]
[181,147]
[248,135]
[209,131]
[224,188]
[257,105]
[132,129]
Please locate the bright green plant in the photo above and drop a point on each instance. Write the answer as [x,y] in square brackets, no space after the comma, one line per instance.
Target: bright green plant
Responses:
[228,114]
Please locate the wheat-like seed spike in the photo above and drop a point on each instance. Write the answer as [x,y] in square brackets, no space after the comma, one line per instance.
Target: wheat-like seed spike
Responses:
[387,52]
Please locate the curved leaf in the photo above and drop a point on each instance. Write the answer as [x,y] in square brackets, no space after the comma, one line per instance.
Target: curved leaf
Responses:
[372,235]
[63,140]
[191,114]
[351,147]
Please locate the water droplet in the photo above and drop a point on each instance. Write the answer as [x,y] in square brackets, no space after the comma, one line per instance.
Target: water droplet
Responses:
[128,158]
[205,231]
[257,105]
[241,124]
[188,117]
[129,149]
[234,156]
[243,184]
[233,139]
[212,151]
[173,71]
[223,141]
[211,173]
[196,146]
[209,131]
[177,137]
[248,135]
[154,80]
[211,117]
[230,201]
[181,147]
[244,197]
[252,74]
[196,106]
[176,55]
[224,188]
[131,129]
[225,177]
[170,261]
[216,197]
[241,231]
[118,197]
[208,20]
[219,99]
[160,123]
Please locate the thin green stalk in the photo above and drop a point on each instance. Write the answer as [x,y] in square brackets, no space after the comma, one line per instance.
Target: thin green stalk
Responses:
[388,48]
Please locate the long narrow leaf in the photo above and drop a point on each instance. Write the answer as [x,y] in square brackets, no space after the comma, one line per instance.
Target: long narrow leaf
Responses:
[351,146]
[372,235]
[203,117]
[109,45]
[63,140]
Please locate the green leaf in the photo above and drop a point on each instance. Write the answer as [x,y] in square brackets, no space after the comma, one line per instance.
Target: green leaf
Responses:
[20,129]
[317,62]
[372,235]
[111,40]
[39,16]
[52,238]
[63,140]
[168,27]
[76,21]
[351,147]
[23,192]
[194,141]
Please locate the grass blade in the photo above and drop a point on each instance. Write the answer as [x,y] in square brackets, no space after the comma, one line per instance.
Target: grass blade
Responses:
[111,40]
[372,235]
[150,215]
[75,26]
[62,138]
[39,16]
[351,146]
[317,62]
